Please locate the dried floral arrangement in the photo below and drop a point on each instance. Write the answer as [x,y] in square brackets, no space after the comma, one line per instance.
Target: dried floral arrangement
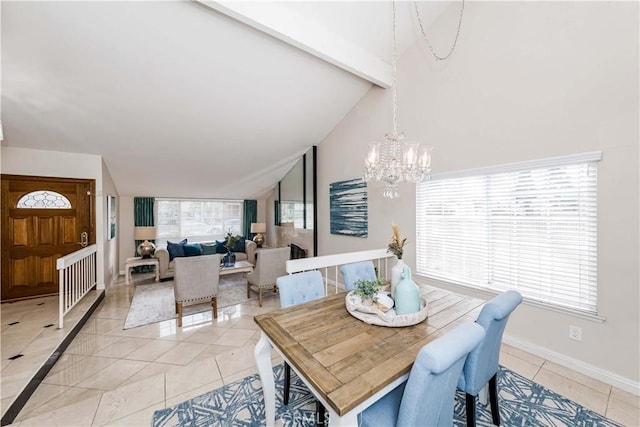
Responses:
[396,244]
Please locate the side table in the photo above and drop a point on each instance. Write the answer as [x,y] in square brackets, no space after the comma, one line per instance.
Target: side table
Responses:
[137,262]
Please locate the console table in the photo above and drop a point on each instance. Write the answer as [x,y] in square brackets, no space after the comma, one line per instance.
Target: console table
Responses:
[130,263]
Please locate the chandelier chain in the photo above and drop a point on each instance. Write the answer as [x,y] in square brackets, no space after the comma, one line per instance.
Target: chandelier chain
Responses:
[426,39]
[393,64]
[395,160]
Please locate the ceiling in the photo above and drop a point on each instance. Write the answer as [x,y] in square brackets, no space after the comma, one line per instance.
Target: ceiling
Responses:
[191,99]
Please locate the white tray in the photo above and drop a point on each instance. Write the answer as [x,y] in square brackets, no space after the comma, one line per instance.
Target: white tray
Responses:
[374,316]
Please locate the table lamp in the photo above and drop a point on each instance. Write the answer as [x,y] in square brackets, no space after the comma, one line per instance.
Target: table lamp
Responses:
[259,228]
[145,249]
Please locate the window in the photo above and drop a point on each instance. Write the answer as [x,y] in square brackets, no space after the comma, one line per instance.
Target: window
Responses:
[197,220]
[529,226]
[43,199]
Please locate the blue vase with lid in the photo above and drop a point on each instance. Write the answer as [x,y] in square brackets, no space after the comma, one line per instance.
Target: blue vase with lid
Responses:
[407,296]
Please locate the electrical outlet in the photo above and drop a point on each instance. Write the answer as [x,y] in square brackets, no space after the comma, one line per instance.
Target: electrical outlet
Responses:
[575,333]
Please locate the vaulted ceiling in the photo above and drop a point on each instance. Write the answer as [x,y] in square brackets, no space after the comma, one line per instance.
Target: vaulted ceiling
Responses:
[191,99]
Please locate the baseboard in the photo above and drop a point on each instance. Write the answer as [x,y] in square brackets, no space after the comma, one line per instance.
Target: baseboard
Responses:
[599,374]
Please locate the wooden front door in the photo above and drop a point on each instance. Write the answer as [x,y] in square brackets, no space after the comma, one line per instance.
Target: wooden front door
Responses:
[43,219]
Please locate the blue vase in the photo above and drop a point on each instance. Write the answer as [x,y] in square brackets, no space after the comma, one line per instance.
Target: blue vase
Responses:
[407,294]
[229,259]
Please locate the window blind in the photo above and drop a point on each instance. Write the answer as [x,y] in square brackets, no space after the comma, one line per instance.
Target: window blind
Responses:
[532,229]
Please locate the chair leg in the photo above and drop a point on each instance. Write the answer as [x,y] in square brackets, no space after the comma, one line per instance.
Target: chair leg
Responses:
[248,290]
[179,305]
[493,399]
[471,410]
[319,414]
[260,297]
[214,304]
[287,383]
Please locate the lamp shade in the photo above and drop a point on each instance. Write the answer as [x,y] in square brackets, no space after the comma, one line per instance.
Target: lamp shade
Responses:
[144,233]
[258,227]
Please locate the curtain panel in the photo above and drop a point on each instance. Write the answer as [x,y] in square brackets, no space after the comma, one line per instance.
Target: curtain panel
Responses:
[143,217]
[250,210]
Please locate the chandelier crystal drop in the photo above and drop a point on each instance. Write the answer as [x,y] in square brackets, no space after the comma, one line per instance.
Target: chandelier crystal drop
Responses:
[396,160]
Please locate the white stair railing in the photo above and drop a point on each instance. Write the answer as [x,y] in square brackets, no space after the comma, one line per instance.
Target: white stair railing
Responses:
[77,274]
[326,262]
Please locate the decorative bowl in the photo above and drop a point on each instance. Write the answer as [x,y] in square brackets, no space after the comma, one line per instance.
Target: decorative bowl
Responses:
[372,315]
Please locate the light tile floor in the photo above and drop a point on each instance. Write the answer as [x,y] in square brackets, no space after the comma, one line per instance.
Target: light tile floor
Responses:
[30,333]
[110,376]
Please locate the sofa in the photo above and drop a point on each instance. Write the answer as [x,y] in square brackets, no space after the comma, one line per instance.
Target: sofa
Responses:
[166,263]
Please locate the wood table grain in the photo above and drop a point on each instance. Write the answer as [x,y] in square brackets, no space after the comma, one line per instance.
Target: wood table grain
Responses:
[346,363]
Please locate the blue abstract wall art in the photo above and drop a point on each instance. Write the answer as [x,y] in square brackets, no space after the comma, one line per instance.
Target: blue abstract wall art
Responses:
[348,208]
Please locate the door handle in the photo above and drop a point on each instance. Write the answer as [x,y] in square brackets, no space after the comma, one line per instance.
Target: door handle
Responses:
[84,239]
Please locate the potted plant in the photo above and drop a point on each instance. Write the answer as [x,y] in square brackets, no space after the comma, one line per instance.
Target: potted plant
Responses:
[367,289]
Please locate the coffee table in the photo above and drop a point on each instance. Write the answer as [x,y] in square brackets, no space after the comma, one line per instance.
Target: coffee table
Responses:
[239,267]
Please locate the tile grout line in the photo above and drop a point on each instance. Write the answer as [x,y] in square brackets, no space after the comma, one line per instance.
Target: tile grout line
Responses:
[18,403]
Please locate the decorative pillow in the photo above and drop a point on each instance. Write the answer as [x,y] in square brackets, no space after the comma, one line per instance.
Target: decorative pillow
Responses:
[175,249]
[220,247]
[192,249]
[239,246]
[209,248]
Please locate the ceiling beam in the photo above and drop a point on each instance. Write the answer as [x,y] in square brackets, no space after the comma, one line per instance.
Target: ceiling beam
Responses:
[284,24]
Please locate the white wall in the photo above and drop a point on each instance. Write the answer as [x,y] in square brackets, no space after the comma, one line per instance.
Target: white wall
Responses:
[21,161]
[528,80]
[127,243]
[110,259]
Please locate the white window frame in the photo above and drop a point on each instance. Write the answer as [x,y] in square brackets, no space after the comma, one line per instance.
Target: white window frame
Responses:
[219,229]
[466,241]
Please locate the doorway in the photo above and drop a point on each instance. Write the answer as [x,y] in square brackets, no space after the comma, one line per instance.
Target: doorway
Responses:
[43,219]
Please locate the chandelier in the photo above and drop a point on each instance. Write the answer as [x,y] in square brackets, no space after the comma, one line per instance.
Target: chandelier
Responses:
[396,160]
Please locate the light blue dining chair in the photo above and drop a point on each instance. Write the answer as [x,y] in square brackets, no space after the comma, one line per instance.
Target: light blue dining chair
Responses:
[428,396]
[297,289]
[355,271]
[482,364]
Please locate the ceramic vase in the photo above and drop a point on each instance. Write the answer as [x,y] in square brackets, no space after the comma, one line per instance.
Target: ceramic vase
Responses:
[396,275]
[407,294]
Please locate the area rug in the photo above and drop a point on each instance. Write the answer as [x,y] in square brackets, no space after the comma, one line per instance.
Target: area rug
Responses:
[155,302]
[522,403]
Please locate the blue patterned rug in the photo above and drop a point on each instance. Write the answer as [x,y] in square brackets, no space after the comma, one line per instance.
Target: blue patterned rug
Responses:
[522,403]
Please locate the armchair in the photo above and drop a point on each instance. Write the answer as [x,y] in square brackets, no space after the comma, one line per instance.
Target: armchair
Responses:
[196,281]
[428,396]
[482,364]
[353,272]
[270,264]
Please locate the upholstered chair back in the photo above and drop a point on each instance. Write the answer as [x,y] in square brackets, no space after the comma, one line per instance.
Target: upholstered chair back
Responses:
[196,278]
[353,272]
[482,363]
[300,287]
[428,396]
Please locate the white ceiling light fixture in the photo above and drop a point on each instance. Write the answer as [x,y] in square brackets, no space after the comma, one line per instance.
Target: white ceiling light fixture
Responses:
[396,160]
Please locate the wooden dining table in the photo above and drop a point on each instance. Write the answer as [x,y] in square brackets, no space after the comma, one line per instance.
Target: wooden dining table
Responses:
[346,363]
